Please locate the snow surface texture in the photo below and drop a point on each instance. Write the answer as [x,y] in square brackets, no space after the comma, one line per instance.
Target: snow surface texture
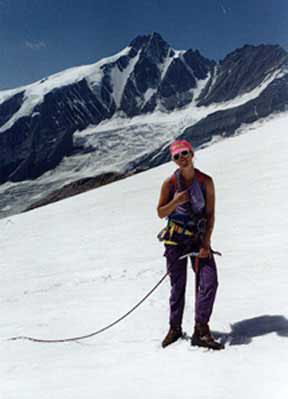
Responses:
[72,267]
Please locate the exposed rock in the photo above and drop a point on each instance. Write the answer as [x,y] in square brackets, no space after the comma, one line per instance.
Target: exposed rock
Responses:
[243,70]
[77,187]
[223,123]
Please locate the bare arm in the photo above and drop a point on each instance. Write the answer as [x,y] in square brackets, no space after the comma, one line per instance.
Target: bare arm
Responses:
[166,207]
[210,212]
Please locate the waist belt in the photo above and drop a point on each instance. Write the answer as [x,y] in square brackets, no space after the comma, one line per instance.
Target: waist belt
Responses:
[179,229]
[175,228]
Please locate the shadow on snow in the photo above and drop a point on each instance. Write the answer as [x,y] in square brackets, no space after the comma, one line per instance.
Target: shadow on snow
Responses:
[243,332]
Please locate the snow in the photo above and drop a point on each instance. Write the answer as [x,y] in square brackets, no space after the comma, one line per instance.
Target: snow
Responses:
[148,94]
[73,267]
[171,56]
[6,94]
[35,93]
[120,78]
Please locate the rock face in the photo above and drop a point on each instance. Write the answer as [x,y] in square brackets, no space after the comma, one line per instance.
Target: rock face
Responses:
[223,123]
[37,123]
[240,73]
[75,188]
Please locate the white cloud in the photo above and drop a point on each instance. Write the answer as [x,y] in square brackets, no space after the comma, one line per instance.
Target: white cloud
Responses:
[36,45]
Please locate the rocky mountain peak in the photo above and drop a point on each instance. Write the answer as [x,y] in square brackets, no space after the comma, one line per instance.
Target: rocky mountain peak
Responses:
[152,46]
[267,52]
[243,70]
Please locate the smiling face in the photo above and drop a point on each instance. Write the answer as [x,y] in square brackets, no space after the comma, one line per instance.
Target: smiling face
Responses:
[182,153]
[183,158]
[180,147]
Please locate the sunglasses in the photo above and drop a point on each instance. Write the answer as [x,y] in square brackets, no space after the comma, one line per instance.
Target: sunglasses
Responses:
[184,154]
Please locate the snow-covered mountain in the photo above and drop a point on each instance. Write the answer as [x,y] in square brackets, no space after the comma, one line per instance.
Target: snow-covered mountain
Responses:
[38,121]
[120,114]
[75,266]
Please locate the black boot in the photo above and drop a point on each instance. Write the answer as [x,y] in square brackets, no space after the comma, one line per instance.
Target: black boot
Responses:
[173,335]
[202,337]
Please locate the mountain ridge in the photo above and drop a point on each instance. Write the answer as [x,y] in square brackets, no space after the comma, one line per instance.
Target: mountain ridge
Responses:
[133,104]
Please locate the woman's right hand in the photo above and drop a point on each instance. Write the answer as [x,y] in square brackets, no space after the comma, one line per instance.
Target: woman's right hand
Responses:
[181,197]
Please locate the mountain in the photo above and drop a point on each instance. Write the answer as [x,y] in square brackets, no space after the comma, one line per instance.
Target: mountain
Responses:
[38,121]
[73,267]
[249,84]
[119,114]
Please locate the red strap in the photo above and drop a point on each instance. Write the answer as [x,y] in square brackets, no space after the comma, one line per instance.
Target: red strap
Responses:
[172,180]
[200,176]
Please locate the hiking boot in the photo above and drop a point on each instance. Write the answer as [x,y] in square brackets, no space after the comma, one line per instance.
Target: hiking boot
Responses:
[172,336]
[202,337]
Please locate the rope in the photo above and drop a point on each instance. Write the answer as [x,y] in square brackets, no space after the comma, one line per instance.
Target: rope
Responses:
[81,337]
[54,341]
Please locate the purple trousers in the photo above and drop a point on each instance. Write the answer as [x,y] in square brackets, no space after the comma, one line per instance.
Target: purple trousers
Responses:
[207,285]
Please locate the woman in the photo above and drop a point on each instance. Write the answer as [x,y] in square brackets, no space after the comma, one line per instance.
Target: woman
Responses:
[187,199]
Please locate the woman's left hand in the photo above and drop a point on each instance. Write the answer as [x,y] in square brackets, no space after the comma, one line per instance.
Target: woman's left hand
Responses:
[204,252]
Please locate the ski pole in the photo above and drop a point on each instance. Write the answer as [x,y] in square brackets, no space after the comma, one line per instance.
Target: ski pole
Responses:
[196,268]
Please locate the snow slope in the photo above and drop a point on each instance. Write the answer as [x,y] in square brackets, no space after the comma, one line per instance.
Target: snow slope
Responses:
[74,266]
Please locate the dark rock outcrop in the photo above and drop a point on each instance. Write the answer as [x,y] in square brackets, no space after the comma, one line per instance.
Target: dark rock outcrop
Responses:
[9,107]
[77,187]
[244,70]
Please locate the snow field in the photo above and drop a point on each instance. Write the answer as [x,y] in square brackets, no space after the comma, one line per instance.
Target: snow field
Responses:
[74,266]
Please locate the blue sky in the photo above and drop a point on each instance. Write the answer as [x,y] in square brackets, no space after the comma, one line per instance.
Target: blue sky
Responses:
[41,37]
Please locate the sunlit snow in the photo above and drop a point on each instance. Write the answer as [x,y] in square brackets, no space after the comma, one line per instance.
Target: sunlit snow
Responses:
[72,267]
